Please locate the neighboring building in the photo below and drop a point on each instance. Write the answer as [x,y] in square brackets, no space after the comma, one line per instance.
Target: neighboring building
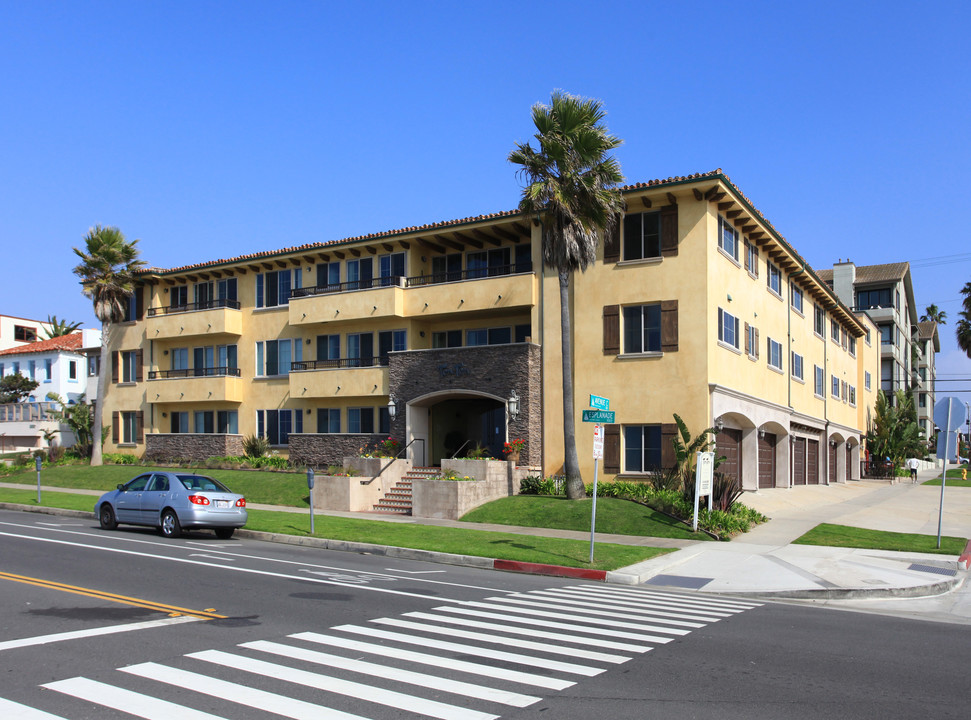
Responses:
[448,335]
[928,343]
[61,365]
[17,332]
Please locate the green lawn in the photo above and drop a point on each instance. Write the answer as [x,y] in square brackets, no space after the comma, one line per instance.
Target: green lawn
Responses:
[844,536]
[462,541]
[953,479]
[614,516]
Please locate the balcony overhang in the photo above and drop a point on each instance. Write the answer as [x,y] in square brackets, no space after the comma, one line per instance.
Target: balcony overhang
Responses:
[214,321]
[195,390]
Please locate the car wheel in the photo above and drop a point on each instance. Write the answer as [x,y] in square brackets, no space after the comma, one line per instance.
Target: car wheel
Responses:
[171,527]
[107,518]
[224,533]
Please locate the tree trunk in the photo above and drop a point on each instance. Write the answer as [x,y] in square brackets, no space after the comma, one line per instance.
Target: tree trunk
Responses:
[103,367]
[571,463]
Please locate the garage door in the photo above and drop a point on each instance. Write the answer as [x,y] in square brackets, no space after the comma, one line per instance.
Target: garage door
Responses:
[799,461]
[812,462]
[832,464]
[767,461]
[728,444]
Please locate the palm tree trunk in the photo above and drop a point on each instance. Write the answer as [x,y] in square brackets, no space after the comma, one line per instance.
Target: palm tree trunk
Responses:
[96,458]
[571,463]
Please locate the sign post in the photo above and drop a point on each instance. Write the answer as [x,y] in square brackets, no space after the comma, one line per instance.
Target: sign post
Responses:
[37,462]
[704,478]
[949,415]
[310,486]
[598,452]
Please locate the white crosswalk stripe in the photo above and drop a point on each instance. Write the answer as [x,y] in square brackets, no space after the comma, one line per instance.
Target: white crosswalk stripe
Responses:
[544,639]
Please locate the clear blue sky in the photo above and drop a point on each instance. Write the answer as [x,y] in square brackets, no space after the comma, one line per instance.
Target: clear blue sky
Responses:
[212,129]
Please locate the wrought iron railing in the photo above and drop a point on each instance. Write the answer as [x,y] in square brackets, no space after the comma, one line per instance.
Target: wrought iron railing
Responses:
[190,307]
[194,372]
[340,363]
[416,281]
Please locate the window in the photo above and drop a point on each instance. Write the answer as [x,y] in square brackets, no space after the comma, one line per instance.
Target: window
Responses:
[819,321]
[1,369]
[48,370]
[524,258]
[521,332]
[276,425]
[22,333]
[94,362]
[226,291]
[391,267]
[922,400]
[642,236]
[868,299]
[852,341]
[774,279]
[728,238]
[180,358]
[447,267]
[500,336]
[274,357]
[328,420]
[642,329]
[867,336]
[360,349]
[834,331]
[390,341]
[843,336]
[867,382]
[727,328]
[447,338]
[131,307]
[129,427]
[852,395]
[179,422]
[834,386]
[328,274]
[359,273]
[72,369]
[796,368]
[203,422]
[479,336]
[202,294]
[273,288]
[775,354]
[226,358]
[886,334]
[227,422]
[797,299]
[360,420]
[752,341]
[844,393]
[642,447]
[129,366]
[886,376]
[819,378]
[32,369]
[328,347]
[384,420]
[15,367]
[488,262]
[752,258]
[179,296]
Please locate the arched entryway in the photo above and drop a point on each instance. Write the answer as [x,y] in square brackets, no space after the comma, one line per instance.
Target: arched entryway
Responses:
[456,423]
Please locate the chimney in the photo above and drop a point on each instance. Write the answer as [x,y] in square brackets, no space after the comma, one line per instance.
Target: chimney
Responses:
[844,277]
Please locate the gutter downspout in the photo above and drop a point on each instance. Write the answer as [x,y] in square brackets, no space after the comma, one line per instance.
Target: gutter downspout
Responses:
[789,350]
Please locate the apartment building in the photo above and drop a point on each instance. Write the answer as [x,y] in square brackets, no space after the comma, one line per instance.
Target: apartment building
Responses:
[447,336]
[927,344]
[17,332]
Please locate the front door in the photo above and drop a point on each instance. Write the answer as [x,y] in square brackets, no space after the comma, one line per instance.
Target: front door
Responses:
[728,444]
[812,462]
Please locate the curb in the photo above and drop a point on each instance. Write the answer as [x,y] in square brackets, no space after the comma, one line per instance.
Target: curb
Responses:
[915,591]
[965,560]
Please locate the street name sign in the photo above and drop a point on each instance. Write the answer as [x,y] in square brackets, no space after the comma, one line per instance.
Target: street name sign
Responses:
[598,416]
[599,403]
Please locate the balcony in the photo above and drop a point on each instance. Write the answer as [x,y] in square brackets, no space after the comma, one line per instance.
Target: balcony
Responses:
[215,317]
[220,384]
[344,377]
[462,291]
[879,313]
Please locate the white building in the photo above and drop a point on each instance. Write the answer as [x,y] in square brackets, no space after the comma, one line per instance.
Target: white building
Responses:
[17,332]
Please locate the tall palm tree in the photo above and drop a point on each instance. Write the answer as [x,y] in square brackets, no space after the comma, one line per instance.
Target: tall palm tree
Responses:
[59,328]
[934,314]
[107,271]
[571,190]
[963,329]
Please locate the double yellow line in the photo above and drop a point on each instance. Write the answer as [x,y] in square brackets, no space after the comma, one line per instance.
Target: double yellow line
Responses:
[172,610]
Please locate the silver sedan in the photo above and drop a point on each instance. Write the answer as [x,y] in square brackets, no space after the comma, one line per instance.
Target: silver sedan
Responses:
[172,502]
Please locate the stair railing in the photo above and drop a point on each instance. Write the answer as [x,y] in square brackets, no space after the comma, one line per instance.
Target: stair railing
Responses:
[461,448]
[393,461]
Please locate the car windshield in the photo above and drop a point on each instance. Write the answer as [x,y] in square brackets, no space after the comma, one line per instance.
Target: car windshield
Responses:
[201,482]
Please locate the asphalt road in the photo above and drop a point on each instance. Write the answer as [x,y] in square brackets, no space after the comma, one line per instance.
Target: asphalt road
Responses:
[118,624]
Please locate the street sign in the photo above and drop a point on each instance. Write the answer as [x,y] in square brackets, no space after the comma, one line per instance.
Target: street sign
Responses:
[598,442]
[599,403]
[598,416]
[949,414]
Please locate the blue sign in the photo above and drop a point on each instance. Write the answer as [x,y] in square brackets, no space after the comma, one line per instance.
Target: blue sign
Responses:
[599,403]
[598,416]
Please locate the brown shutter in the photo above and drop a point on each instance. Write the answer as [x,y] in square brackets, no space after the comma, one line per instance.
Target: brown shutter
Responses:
[114,428]
[755,256]
[138,366]
[139,303]
[668,432]
[612,244]
[669,231]
[612,449]
[139,427]
[758,347]
[669,326]
[114,367]
[747,347]
[612,330]
[747,267]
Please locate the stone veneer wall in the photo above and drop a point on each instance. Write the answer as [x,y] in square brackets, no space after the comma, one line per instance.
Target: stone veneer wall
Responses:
[191,446]
[492,369]
[321,450]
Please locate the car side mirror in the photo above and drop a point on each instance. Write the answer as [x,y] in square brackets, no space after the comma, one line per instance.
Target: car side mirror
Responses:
[121,486]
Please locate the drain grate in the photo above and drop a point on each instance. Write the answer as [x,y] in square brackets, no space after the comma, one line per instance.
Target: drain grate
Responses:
[692,583]
[932,569]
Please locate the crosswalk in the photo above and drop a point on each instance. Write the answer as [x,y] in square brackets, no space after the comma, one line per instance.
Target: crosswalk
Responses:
[468,660]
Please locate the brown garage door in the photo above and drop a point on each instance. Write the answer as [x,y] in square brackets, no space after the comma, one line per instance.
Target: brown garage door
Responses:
[767,461]
[728,444]
[832,464]
[799,461]
[812,462]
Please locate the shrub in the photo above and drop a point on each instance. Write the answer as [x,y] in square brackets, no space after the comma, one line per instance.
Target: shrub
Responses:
[725,490]
[530,485]
[120,459]
[55,453]
[22,460]
[387,448]
[478,453]
[256,446]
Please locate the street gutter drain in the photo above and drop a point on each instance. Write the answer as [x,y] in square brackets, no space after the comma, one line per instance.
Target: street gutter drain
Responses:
[693,583]
[932,569]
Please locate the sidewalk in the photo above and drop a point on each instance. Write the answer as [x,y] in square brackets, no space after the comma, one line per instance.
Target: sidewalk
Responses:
[762,562]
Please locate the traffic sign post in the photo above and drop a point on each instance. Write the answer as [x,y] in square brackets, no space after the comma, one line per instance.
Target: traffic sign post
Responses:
[949,414]
[310,486]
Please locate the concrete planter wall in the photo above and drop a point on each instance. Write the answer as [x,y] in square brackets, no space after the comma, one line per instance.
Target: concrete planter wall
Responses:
[354,493]
[451,499]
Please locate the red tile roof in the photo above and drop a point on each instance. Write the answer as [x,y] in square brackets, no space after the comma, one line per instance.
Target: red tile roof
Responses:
[66,343]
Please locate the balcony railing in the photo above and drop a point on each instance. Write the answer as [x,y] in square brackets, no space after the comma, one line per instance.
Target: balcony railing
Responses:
[340,363]
[194,372]
[191,307]
[393,281]
[26,412]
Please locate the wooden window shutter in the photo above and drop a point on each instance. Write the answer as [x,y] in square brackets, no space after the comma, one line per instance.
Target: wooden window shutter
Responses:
[668,432]
[139,427]
[669,231]
[612,330]
[612,449]
[138,366]
[114,367]
[747,266]
[669,326]
[114,426]
[747,345]
[612,244]
[139,303]
[757,346]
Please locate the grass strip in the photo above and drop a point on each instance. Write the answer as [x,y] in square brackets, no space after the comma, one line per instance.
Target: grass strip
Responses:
[614,516]
[852,537]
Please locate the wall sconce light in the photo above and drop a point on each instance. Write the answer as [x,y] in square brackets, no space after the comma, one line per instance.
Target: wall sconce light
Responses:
[729,298]
[165,352]
[308,411]
[461,301]
[421,333]
[513,404]
[500,297]
[308,341]
[719,425]
[392,407]
[761,433]
[165,414]
[373,308]
[832,444]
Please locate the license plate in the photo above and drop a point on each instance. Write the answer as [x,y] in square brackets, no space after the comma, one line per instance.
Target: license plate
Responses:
[222,503]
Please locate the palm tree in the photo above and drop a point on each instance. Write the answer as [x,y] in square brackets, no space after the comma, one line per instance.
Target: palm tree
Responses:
[570,190]
[107,271]
[59,328]
[963,329]
[932,313]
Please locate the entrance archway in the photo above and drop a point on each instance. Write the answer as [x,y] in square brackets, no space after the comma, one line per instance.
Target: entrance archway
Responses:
[455,424]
